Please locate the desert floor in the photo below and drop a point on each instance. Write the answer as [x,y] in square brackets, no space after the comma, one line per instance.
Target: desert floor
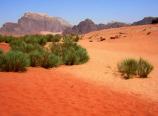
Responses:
[92,89]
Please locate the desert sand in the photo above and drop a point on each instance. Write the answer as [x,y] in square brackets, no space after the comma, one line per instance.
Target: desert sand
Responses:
[5,47]
[92,89]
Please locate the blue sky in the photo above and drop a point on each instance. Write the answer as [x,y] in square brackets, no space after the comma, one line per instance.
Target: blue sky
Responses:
[101,11]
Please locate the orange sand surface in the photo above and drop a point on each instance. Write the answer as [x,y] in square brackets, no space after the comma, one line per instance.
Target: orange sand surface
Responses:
[41,92]
[5,47]
[92,89]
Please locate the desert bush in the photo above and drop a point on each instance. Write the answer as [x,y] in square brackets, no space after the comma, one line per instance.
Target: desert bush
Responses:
[1,38]
[36,58]
[70,52]
[57,49]
[8,39]
[70,57]
[82,54]
[50,60]
[53,38]
[1,57]
[75,38]
[44,59]
[75,55]
[35,39]
[144,68]
[49,37]
[128,67]
[56,38]
[20,45]
[1,51]
[14,61]
[72,37]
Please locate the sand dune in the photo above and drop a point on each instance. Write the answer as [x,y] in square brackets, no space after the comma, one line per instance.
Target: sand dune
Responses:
[105,55]
[40,92]
[91,89]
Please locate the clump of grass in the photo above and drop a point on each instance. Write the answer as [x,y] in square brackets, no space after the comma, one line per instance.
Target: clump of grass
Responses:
[1,51]
[50,60]
[35,39]
[128,67]
[144,68]
[30,48]
[70,52]
[14,61]
[1,58]
[20,45]
[44,59]
[70,56]
[35,58]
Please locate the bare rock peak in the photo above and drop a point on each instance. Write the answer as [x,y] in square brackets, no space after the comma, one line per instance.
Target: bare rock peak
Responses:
[33,23]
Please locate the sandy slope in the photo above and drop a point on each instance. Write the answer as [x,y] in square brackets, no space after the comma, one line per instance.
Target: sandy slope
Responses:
[41,92]
[105,55]
[91,89]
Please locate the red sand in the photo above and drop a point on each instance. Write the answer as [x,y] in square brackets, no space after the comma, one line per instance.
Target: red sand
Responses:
[91,89]
[41,92]
[5,47]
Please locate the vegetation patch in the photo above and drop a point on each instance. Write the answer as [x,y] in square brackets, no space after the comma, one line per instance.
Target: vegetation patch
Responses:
[130,67]
[14,61]
[144,68]
[32,52]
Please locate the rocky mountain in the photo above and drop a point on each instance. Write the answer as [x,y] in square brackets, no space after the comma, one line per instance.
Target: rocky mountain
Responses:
[146,20]
[112,25]
[88,25]
[83,27]
[155,21]
[33,23]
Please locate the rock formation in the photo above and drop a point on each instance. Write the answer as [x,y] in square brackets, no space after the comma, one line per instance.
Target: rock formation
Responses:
[33,23]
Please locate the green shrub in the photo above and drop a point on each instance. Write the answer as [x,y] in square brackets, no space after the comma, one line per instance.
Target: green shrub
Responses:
[75,55]
[14,61]
[36,58]
[128,67]
[1,38]
[35,39]
[8,39]
[74,38]
[56,38]
[144,68]
[70,57]
[82,55]
[57,49]
[50,60]
[53,38]
[70,52]
[20,45]
[1,57]
[49,37]
[1,51]
[44,59]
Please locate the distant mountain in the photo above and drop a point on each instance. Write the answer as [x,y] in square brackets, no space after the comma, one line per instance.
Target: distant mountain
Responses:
[88,25]
[155,21]
[32,23]
[83,27]
[146,20]
[112,25]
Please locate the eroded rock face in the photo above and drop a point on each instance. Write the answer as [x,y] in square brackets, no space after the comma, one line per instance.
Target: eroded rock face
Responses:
[32,23]
[88,25]
[112,25]
[82,28]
